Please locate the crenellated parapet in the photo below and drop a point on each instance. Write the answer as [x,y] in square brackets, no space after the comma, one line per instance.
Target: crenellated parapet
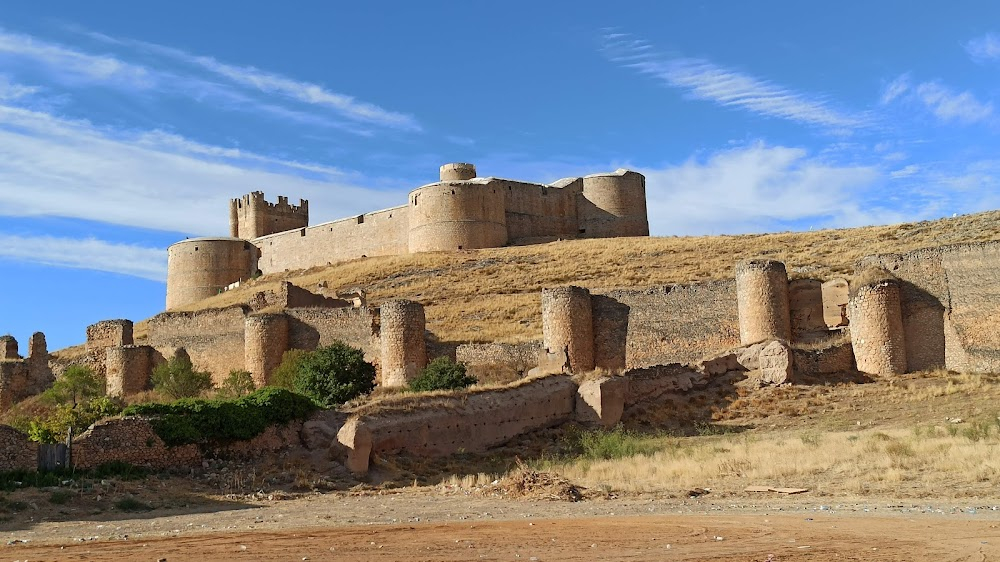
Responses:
[251,216]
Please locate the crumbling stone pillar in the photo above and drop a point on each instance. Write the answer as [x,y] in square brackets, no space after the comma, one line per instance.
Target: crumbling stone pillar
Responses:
[762,301]
[877,328]
[403,349]
[128,369]
[265,341]
[40,374]
[108,333]
[8,348]
[37,349]
[567,324]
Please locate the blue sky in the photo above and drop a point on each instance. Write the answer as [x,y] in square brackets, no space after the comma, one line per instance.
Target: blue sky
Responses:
[125,126]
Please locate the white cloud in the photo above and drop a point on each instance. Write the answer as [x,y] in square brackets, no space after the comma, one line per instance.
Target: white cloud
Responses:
[71,63]
[54,166]
[136,261]
[895,89]
[948,105]
[905,171]
[986,47]
[10,91]
[730,88]
[758,188]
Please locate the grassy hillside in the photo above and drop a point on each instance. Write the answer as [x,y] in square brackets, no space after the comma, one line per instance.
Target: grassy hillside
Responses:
[493,294]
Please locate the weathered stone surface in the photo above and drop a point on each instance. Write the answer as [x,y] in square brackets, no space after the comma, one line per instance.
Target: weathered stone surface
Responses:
[601,401]
[131,440]
[877,333]
[17,452]
[567,324]
[552,363]
[762,299]
[357,438]
[404,349]
[776,363]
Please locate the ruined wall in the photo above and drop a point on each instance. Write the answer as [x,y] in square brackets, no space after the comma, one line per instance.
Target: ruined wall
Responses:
[498,362]
[199,268]
[8,348]
[537,213]
[806,310]
[403,348]
[838,358]
[108,333]
[13,381]
[128,369]
[462,215]
[664,324]
[972,339]
[474,421]
[613,205]
[380,233]
[266,340]
[309,328]
[567,324]
[213,338]
[877,334]
[131,440]
[23,377]
[251,216]
[17,452]
[762,300]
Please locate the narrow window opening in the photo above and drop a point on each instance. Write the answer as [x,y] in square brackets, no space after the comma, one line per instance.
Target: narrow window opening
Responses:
[196,248]
[361,219]
[583,231]
[302,232]
[459,247]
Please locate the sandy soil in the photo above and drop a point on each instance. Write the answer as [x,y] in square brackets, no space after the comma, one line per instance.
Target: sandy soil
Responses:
[431,524]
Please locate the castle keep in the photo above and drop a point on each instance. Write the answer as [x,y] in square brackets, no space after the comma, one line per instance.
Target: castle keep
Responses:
[459,212]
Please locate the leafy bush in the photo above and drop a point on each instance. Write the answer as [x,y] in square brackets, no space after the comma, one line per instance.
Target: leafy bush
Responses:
[442,374]
[615,444]
[77,384]
[177,378]
[284,375]
[334,374]
[238,383]
[53,427]
[191,420]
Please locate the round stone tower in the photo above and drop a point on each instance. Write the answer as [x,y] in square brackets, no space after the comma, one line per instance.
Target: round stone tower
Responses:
[762,301]
[877,327]
[615,205]
[567,324]
[401,334]
[457,171]
[201,267]
[458,213]
[265,339]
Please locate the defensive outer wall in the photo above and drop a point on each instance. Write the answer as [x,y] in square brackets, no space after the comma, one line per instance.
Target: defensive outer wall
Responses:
[459,212]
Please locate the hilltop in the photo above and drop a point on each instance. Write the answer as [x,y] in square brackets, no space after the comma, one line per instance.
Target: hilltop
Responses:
[493,294]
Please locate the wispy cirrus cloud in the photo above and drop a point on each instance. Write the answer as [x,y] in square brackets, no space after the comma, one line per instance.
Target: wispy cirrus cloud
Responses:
[99,255]
[705,80]
[197,78]
[55,166]
[945,103]
[983,48]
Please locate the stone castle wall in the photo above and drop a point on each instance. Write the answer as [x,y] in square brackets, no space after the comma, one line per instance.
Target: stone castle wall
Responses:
[498,362]
[17,452]
[538,213]
[265,341]
[213,338]
[107,333]
[251,216]
[128,369]
[199,268]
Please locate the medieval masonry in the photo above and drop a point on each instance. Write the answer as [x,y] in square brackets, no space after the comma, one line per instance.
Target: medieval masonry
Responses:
[459,212]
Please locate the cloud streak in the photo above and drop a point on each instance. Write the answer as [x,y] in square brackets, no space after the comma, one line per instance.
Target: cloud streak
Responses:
[704,80]
[99,255]
[986,47]
[946,104]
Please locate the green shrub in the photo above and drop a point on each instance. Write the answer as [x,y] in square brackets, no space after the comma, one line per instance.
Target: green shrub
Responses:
[615,444]
[177,378]
[77,384]
[442,374]
[334,374]
[284,375]
[191,420]
[238,383]
[53,427]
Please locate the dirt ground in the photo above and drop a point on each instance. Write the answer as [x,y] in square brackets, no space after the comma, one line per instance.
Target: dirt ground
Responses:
[435,524]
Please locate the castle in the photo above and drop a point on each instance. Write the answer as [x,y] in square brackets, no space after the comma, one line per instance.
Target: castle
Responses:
[459,212]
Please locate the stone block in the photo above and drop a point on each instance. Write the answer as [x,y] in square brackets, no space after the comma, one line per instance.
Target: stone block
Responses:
[601,401]
[357,438]
[776,362]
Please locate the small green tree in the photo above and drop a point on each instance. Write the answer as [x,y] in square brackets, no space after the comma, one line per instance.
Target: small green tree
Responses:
[238,383]
[334,374]
[442,374]
[77,384]
[52,427]
[284,375]
[177,378]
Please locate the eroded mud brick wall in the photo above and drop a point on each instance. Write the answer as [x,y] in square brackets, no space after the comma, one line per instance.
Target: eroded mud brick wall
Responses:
[379,233]
[476,421]
[403,349]
[128,369]
[266,340]
[665,324]
[762,299]
[213,338]
[877,334]
[567,324]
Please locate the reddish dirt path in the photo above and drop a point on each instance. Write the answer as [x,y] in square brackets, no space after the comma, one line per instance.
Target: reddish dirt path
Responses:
[744,538]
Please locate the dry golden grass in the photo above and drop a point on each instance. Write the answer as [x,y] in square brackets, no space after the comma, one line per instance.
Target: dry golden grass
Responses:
[493,294]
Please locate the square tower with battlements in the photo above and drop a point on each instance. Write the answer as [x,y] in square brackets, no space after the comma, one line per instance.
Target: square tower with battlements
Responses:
[251,216]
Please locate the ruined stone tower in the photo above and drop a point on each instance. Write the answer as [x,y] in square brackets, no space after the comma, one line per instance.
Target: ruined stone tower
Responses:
[877,334]
[265,341]
[252,217]
[762,301]
[567,324]
[403,349]
[128,369]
